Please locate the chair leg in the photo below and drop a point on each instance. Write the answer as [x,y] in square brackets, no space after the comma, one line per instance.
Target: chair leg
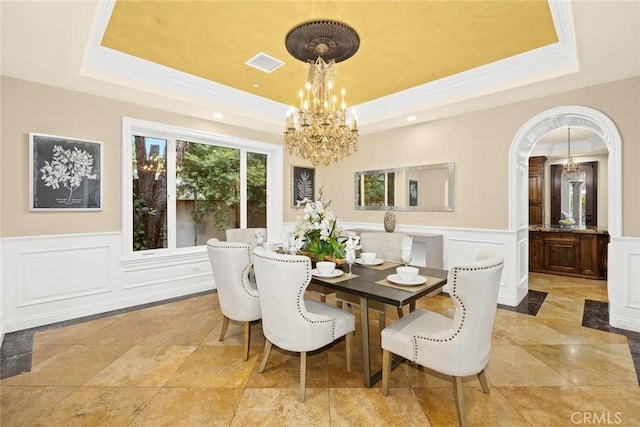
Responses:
[323,298]
[225,325]
[247,337]
[265,355]
[349,344]
[459,398]
[386,371]
[303,373]
[483,381]
[339,304]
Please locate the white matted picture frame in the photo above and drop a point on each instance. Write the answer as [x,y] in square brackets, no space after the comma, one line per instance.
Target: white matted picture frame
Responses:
[303,184]
[65,174]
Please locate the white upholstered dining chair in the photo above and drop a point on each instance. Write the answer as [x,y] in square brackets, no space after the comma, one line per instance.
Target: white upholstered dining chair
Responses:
[458,346]
[245,235]
[290,321]
[238,297]
[387,247]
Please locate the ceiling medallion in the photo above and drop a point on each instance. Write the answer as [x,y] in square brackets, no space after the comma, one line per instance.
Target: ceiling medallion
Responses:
[319,129]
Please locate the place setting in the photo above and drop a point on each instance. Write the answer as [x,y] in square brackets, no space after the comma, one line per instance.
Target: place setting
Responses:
[327,270]
[406,278]
[370,260]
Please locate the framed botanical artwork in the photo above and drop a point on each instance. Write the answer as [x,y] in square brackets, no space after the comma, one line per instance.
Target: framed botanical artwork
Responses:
[303,182]
[65,174]
[413,192]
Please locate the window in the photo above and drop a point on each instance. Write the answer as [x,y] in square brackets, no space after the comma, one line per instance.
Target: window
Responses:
[184,187]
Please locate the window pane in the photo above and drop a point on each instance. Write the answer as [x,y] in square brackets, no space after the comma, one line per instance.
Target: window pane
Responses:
[207,192]
[374,189]
[256,190]
[149,193]
[391,188]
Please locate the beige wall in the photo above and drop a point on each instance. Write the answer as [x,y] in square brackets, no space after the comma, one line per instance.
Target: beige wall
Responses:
[30,107]
[479,145]
[477,142]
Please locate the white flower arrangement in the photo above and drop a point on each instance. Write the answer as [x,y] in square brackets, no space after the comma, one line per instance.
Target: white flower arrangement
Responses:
[318,232]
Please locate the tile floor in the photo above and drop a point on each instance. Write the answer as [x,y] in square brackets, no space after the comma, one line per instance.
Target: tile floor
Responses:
[164,366]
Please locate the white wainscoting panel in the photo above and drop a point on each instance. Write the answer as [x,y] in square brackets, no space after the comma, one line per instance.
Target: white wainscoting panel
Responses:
[187,268]
[62,273]
[624,283]
[48,279]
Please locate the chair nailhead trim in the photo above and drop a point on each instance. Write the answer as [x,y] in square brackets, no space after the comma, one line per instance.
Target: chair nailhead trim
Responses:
[454,294]
[302,289]
[233,245]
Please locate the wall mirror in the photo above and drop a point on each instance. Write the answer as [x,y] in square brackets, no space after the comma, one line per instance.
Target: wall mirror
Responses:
[412,188]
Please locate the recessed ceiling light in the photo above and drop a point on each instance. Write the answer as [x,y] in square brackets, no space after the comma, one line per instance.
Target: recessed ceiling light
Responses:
[256,85]
[412,118]
[217,115]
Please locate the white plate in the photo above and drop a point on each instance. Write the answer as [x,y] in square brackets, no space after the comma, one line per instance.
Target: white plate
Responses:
[378,261]
[395,279]
[335,273]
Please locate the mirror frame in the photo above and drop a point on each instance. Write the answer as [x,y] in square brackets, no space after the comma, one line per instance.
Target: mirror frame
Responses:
[449,166]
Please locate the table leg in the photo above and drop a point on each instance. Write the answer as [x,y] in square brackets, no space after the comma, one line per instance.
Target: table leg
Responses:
[369,379]
[364,324]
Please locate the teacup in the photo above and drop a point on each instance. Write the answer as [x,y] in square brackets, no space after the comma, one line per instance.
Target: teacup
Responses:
[407,274]
[368,257]
[325,267]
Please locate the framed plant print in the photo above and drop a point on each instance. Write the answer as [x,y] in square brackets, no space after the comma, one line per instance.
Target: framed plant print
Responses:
[303,184]
[413,192]
[65,174]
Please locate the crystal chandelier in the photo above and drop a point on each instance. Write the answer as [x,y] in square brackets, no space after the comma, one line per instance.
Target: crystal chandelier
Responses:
[570,169]
[319,130]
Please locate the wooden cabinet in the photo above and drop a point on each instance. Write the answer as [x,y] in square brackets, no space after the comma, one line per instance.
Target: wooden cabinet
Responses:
[536,252]
[579,254]
[561,252]
[536,190]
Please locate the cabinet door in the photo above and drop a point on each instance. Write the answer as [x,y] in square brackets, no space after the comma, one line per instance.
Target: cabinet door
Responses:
[593,255]
[536,251]
[536,190]
[561,253]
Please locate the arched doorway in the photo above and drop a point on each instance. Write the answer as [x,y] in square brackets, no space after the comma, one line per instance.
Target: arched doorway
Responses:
[565,116]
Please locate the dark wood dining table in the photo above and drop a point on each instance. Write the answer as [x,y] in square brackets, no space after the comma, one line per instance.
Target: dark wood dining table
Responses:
[363,284]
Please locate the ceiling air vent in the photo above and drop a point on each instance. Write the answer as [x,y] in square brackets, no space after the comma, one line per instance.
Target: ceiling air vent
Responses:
[264,62]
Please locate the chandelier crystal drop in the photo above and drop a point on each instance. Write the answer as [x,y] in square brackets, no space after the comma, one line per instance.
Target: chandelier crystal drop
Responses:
[570,169]
[320,130]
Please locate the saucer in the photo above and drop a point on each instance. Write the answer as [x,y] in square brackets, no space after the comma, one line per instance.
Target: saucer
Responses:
[393,278]
[378,261]
[334,273]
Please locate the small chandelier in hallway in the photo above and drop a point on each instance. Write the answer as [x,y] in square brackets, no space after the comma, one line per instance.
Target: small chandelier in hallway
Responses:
[570,169]
[320,130]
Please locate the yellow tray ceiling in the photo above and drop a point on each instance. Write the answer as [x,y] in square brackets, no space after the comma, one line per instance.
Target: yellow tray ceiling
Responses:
[403,44]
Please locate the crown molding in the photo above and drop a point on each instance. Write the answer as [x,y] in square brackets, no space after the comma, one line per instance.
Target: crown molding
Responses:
[591,146]
[530,67]
[248,110]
